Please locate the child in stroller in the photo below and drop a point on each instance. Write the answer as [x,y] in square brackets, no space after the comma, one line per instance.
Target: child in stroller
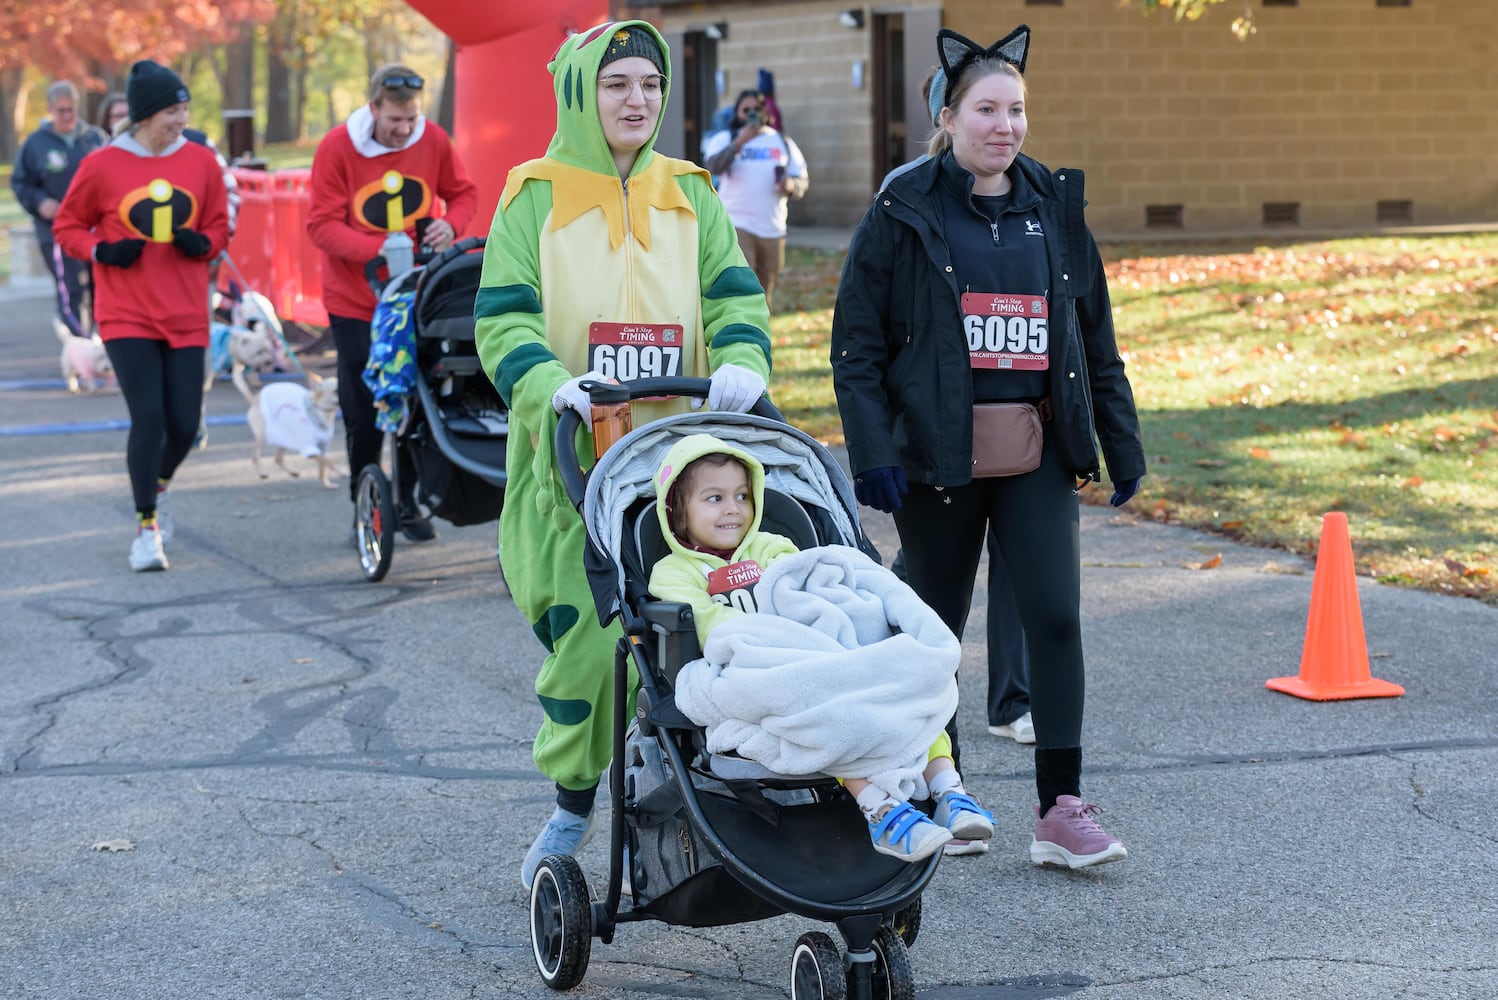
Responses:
[708,503]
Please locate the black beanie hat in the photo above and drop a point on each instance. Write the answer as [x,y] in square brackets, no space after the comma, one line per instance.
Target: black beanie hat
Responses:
[152,87]
[633,42]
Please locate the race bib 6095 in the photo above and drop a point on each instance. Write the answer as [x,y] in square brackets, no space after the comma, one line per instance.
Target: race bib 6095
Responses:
[1007,331]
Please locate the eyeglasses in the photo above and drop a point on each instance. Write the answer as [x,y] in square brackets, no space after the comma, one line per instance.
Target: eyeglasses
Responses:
[619,86]
[412,82]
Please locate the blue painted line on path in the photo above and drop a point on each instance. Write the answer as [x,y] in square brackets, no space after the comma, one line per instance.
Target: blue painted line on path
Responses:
[95,426]
[23,384]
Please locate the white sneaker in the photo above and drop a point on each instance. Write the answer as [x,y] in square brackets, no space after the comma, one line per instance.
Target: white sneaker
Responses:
[164,515]
[146,553]
[1021,730]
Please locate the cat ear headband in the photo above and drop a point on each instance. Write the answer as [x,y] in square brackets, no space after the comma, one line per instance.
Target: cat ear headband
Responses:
[956,51]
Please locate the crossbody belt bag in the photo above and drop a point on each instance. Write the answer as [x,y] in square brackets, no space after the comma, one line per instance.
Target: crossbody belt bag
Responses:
[1007,438]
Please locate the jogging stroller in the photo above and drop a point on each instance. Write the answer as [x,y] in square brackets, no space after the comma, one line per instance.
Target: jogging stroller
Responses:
[443,417]
[716,840]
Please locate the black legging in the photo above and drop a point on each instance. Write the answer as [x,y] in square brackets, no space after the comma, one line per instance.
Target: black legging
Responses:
[163,390]
[1035,517]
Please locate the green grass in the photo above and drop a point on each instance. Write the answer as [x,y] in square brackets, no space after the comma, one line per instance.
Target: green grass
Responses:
[1278,384]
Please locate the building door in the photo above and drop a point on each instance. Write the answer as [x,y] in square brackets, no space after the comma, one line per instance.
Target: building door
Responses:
[887,84]
[902,51]
[695,95]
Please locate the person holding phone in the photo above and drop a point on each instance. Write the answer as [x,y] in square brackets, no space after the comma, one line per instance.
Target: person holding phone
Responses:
[758,169]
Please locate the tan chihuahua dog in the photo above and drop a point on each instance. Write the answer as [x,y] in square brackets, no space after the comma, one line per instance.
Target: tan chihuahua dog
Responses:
[287,416]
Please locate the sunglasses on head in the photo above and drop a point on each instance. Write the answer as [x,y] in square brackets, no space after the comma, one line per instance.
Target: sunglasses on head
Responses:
[412,82]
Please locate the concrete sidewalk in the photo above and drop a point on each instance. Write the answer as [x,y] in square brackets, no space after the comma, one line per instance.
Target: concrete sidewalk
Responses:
[257,776]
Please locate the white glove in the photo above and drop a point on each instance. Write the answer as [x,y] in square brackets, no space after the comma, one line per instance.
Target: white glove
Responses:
[734,388]
[572,396]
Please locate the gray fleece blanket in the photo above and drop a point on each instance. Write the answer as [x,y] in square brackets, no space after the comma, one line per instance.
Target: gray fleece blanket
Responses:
[842,671]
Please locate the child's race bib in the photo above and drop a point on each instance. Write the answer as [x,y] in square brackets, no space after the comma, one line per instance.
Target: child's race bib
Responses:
[733,585]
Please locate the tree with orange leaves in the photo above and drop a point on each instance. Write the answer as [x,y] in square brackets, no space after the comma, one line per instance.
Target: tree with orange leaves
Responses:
[86,41]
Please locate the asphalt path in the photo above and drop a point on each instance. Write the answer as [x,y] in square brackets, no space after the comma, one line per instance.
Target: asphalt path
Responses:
[258,776]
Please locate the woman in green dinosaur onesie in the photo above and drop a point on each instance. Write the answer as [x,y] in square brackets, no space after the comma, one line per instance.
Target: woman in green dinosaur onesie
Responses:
[605,259]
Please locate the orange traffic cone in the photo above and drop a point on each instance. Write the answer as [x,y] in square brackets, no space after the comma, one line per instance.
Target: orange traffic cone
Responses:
[1334,663]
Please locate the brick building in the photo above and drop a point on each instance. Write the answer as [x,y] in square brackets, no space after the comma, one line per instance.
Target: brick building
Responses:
[1335,115]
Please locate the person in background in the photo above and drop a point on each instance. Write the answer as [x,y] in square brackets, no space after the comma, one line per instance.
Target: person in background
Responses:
[150,210]
[379,172]
[45,166]
[758,169]
[231,185]
[570,261]
[998,273]
[114,113]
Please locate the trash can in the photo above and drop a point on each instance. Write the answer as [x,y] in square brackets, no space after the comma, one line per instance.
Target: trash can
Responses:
[239,133]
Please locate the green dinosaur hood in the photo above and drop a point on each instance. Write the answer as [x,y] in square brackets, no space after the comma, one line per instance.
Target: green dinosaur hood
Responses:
[579,139]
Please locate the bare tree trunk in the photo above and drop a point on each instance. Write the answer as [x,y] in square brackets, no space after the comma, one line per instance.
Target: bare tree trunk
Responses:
[278,123]
[299,108]
[12,104]
[239,71]
[449,76]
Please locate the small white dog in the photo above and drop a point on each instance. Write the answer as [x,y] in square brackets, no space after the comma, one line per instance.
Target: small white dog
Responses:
[287,416]
[85,362]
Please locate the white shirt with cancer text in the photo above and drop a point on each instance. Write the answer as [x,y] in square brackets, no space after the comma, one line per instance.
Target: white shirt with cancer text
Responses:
[749,188]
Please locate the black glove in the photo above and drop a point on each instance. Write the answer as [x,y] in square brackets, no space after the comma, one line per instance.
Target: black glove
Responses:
[1123,491]
[119,253]
[191,242]
[881,488]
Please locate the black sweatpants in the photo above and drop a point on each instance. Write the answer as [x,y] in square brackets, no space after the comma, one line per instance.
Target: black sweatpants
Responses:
[362,437]
[69,276]
[1035,520]
[163,390]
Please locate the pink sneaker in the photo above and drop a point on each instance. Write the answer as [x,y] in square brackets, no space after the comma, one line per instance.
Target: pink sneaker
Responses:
[1068,836]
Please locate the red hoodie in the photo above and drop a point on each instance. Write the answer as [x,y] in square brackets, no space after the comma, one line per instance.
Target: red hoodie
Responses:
[119,194]
[357,200]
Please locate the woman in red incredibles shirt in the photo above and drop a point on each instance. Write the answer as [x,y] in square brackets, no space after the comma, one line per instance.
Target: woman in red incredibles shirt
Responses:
[150,211]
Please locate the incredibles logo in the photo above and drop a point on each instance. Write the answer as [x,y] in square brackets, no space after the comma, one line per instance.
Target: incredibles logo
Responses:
[153,211]
[392,203]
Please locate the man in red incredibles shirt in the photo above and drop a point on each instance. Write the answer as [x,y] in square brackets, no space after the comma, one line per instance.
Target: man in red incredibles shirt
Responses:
[380,171]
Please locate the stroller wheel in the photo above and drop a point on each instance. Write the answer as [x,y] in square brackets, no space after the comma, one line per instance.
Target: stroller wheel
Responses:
[561,922]
[375,521]
[817,969]
[907,922]
[892,978]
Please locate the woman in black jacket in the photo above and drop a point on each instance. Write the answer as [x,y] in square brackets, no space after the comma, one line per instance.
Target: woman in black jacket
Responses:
[973,285]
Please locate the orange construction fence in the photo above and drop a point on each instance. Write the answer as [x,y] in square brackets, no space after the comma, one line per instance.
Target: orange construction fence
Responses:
[270,245]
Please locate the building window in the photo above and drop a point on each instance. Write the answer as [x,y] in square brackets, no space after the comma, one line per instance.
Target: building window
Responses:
[1043,3]
[1164,216]
[1396,212]
[1282,213]
[1281,3]
[1392,3]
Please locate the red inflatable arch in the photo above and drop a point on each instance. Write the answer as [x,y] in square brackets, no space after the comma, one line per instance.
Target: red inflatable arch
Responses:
[504,111]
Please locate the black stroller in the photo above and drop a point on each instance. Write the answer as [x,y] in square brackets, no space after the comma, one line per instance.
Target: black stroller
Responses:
[455,427]
[714,840]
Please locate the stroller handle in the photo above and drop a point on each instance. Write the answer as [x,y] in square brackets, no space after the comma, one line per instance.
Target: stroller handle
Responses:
[455,251]
[643,388]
